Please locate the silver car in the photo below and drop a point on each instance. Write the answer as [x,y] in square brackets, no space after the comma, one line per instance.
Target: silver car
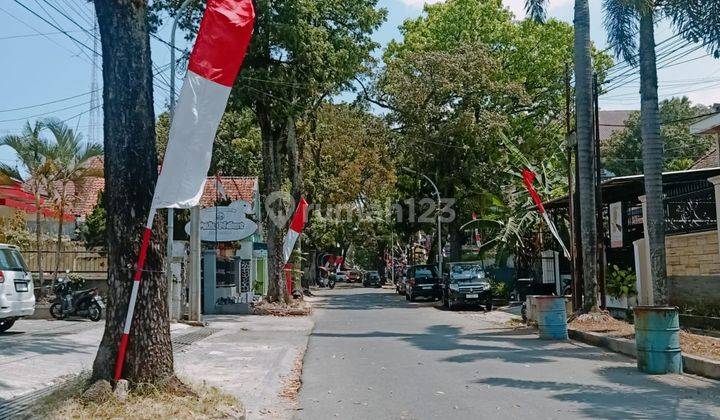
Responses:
[17,298]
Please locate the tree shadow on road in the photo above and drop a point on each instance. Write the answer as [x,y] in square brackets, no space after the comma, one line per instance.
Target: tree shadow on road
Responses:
[508,346]
[628,394]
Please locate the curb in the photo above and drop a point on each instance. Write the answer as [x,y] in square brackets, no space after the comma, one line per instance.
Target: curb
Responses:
[696,365]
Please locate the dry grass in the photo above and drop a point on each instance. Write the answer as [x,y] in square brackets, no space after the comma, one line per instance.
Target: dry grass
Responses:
[144,402]
[294,308]
[694,344]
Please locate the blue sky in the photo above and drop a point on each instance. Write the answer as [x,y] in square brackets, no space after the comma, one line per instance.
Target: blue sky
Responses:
[37,69]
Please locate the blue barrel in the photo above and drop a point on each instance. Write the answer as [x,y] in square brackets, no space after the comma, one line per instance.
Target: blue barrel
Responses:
[551,317]
[657,338]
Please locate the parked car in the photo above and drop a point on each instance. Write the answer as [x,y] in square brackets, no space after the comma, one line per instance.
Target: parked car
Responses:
[341,276]
[372,278]
[423,281]
[17,297]
[466,284]
[353,276]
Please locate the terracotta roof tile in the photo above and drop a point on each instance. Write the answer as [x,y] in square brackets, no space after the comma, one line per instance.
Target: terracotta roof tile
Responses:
[236,187]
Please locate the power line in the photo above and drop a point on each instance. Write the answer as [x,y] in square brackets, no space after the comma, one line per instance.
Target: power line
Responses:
[2,38]
[46,112]
[54,26]
[45,103]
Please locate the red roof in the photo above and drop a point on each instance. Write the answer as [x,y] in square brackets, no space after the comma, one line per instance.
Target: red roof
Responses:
[17,197]
[236,188]
[86,194]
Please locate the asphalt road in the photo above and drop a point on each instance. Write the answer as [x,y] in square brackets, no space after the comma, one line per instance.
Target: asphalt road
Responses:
[372,355]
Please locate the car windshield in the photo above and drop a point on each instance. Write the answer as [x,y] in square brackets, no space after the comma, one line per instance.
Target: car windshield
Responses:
[466,272]
[11,260]
[423,272]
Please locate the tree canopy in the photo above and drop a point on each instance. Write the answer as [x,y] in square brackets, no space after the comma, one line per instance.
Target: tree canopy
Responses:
[622,153]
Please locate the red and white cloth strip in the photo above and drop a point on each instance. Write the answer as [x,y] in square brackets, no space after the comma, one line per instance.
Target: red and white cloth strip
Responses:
[528,179]
[219,188]
[217,56]
[296,227]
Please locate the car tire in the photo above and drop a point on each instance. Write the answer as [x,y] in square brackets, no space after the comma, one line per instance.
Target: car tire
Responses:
[488,305]
[445,302]
[6,324]
[56,311]
[412,298]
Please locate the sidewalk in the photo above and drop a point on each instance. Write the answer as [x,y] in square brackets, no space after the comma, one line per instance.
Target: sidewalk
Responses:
[256,358]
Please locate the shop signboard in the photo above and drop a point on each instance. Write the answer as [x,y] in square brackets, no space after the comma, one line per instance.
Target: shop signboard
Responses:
[226,223]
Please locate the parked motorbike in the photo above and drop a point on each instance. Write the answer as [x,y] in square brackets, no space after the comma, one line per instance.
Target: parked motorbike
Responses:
[68,302]
[327,282]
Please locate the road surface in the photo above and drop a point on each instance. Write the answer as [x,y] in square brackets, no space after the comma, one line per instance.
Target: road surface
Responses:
[373,355]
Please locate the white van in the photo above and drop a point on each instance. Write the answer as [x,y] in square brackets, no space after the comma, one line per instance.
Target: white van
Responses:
[17,298]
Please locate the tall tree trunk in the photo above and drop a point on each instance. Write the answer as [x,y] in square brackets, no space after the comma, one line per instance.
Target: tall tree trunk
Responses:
[130,176]
[652,157]
[294,148]
[273,172]
[586,153]
[38,242]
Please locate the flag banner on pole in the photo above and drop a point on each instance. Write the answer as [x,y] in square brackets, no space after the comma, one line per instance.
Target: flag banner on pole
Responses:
[528,179]
[296,227]
[215,61]
[219,188]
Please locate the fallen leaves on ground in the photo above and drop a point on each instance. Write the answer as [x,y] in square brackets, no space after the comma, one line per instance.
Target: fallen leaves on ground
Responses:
[599,322]
[294,308]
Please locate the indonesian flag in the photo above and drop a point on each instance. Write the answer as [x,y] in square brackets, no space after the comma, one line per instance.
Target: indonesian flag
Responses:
[215,61]
[219,188]
[528,179]
[296,227]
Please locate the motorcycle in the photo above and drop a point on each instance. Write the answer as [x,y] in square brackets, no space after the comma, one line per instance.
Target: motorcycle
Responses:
[68,302]
[328,281]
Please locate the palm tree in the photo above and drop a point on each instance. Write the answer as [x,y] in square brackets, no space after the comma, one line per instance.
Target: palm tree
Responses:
[71,166]
[35,155]
[586,150]
[624,19]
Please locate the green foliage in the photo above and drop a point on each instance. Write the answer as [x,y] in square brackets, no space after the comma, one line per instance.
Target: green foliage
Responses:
[14,231]
[500,290]
[622,153]
[93,232]
[621,282]
[236,150]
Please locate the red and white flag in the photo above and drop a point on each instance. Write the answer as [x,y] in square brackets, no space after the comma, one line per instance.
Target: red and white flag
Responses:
[222,194]
[296,227]
[215,61]
[528,179]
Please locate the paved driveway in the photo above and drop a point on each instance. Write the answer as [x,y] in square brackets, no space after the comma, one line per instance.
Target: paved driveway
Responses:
[372,355]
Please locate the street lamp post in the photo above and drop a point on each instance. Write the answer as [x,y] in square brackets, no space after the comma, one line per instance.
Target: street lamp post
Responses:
[439,226]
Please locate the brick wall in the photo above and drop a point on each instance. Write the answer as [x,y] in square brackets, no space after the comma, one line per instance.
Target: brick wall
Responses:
[695,254]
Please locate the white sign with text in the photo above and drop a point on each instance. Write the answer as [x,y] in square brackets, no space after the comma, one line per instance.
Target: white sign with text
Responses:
[226,223]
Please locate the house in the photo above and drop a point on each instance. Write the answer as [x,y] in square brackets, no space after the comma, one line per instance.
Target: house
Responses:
[16,200]
[612,122]
[692,232]
[236,188]
[708,125]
